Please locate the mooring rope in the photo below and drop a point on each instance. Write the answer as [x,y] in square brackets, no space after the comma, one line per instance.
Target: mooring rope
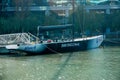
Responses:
[52,50]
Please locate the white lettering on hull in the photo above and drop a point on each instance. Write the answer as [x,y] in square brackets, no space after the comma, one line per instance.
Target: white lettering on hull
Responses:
[69,45]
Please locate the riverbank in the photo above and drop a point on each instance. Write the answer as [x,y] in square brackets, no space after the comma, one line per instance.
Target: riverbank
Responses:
[112,39]
[111,42]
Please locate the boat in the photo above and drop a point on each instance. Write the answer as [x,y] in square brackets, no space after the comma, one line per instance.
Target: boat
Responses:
[59,45]
[50,46]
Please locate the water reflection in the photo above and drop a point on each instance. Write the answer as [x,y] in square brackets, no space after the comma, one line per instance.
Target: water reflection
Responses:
[96,64]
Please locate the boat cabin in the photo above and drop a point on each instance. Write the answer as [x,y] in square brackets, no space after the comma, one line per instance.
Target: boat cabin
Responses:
[54,32]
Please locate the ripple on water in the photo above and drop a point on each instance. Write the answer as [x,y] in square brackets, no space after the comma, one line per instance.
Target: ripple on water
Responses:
[96,64]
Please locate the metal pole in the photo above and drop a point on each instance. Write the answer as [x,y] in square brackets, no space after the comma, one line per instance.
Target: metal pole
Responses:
[38,31]
[73,20]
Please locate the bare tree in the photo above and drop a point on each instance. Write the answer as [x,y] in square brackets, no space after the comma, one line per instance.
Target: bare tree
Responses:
[22,7]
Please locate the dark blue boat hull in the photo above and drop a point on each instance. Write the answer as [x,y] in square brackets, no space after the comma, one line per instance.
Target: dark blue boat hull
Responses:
[60,46]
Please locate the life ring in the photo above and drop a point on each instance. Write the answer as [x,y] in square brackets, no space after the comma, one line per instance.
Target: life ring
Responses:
[49,41]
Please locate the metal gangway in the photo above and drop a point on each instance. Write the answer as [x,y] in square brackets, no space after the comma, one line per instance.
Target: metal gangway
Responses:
[17,38]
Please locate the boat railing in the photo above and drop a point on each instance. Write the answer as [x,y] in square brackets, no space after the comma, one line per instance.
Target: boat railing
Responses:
[56,41]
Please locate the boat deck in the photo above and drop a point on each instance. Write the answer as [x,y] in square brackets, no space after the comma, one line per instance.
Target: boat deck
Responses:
[69,40]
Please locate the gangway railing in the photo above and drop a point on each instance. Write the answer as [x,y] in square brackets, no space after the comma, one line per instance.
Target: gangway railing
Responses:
[16,38]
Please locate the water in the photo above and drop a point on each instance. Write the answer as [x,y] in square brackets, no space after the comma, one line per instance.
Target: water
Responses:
[96,64]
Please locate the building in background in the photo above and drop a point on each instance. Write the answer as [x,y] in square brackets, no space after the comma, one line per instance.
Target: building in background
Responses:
[62,7]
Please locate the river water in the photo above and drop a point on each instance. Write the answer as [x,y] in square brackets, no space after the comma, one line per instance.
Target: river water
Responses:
[96,64]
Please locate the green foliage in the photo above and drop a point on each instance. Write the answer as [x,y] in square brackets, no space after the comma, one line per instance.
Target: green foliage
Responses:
[83,21]
[50,20]
[94,22]
[16,24]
